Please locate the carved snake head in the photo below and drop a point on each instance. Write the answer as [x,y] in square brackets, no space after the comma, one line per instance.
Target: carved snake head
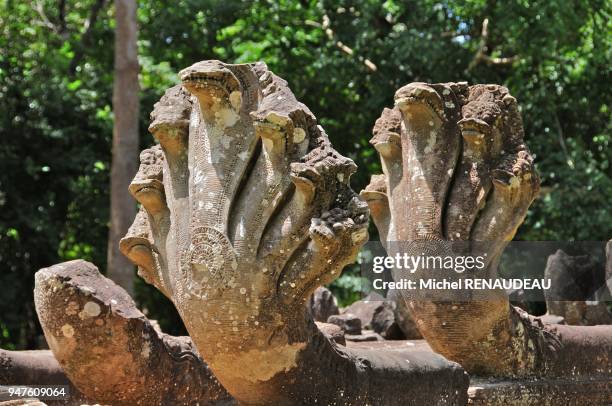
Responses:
[215,87]
[253,208]
[460,171]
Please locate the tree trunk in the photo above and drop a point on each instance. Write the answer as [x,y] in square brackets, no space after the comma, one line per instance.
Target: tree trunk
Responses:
[125,140]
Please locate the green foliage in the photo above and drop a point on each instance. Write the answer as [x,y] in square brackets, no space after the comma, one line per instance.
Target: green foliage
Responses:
[53,199]
[344,59]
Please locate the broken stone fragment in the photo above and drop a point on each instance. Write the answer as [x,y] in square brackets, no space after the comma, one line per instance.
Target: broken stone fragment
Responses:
[383,321]
[348,322]
[379,314]
[576,282]
[322,304]
[332,331]
[366,335]
[364,308]
[551,319]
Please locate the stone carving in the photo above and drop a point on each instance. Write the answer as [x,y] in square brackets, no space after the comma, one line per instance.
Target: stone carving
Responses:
[456,169]
[109,350]
[251,213]
[246,209]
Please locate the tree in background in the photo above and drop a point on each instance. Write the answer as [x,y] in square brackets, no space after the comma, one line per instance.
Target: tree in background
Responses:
[342,58]
[125,140]
[55,128]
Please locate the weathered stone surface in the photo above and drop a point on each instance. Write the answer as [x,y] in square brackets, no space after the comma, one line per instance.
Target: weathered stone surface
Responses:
[27,367]
[488,391]
[366,335]
[392,345]
[573,277]
[23,402]
[383,322]
[253,211]
[322,304]
[540,392]
[575,282]
[378,314]
[597,313]
[348,322]
[403,317]
[551,319]
[456,169]
[332,332]
[518,298]
[38,367]
[109,350]
[364,308]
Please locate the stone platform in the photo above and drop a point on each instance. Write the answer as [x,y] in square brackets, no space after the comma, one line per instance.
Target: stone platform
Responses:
[541,392]
[583,391]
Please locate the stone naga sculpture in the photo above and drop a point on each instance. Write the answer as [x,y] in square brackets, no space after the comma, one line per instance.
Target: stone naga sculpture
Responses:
[246,209]
[109,350]
[456,169]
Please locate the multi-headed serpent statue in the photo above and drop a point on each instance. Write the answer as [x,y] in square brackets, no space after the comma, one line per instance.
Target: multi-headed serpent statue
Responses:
[456,169]
[246,209]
